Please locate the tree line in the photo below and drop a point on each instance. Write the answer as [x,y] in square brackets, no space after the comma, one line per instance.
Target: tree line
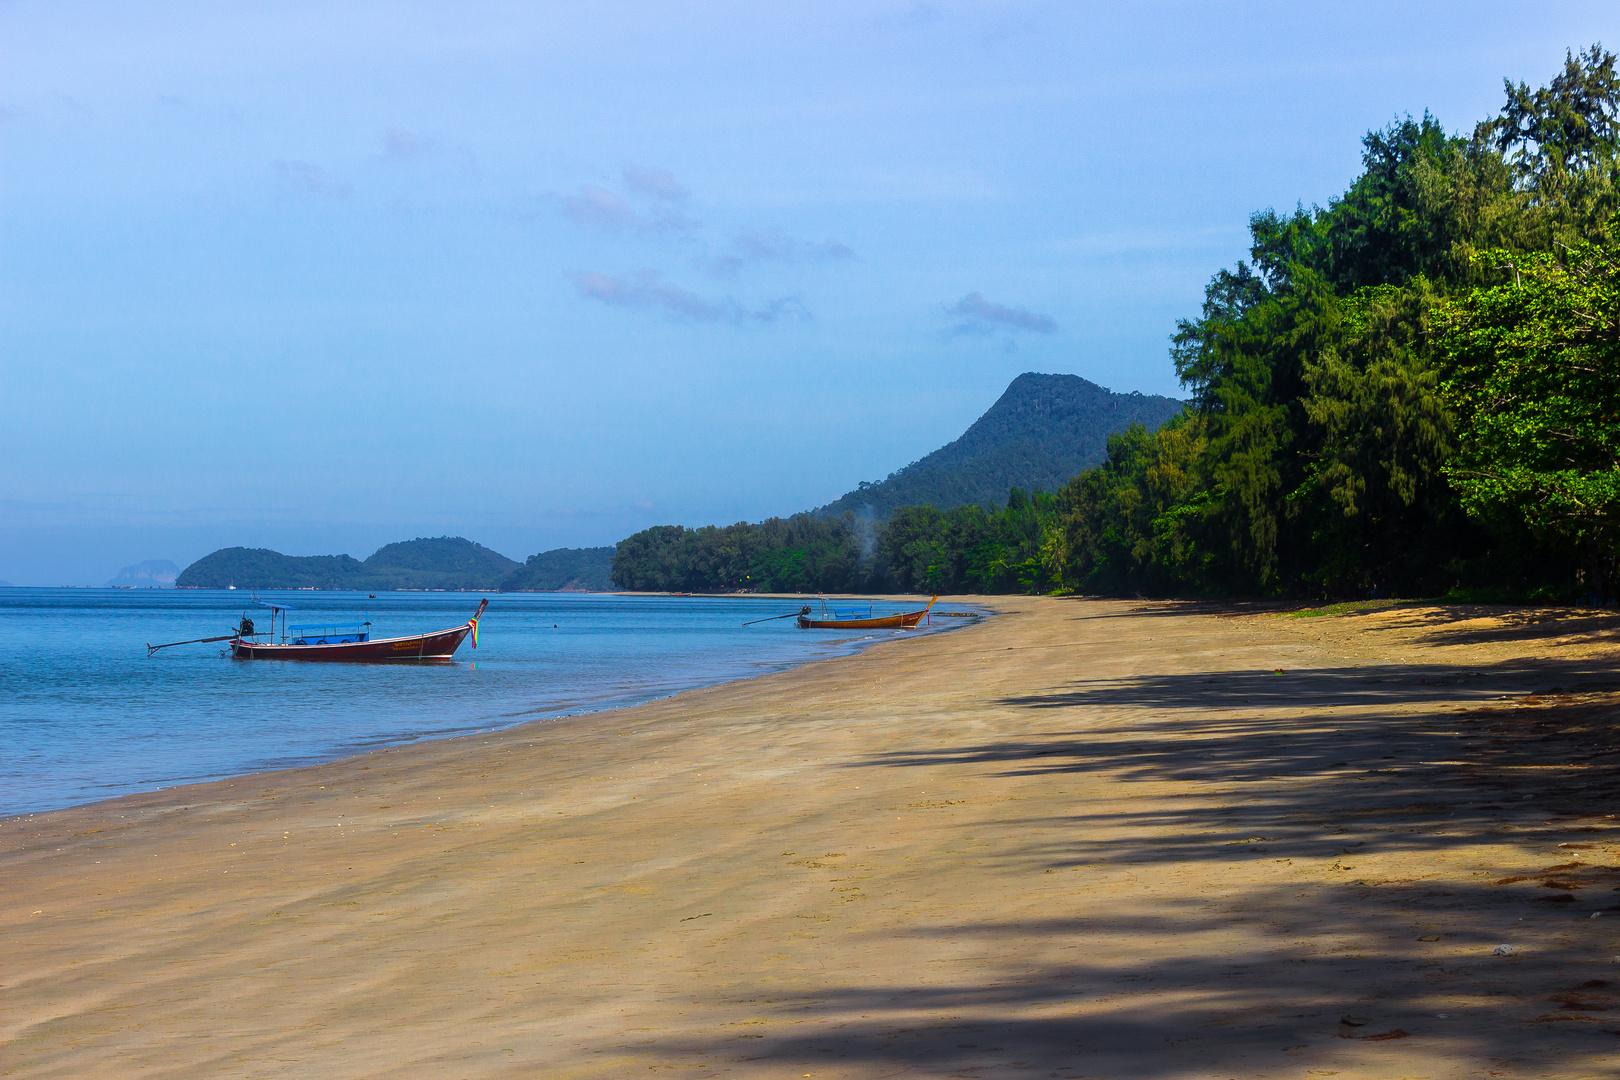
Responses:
[1412,390]
[918,549]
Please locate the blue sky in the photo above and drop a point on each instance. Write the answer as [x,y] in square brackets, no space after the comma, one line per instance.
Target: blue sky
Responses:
[321,276]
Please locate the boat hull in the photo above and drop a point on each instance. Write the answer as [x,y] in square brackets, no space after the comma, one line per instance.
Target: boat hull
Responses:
[419,647]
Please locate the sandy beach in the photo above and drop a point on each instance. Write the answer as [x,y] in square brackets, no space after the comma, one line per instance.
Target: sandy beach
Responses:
[1079,839]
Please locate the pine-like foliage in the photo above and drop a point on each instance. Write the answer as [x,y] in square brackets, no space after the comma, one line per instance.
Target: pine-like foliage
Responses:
[1399,392]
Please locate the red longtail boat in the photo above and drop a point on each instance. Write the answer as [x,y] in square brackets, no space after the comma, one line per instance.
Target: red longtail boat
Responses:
[349,641]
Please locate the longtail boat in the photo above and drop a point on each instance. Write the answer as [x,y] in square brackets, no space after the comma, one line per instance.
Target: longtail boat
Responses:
[855,619]
[335,641]
[349,641]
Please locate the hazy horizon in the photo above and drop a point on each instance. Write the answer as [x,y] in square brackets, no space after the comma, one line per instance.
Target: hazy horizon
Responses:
[319,278]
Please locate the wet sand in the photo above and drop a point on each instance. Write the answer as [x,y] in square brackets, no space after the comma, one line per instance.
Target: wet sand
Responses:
[1080,839]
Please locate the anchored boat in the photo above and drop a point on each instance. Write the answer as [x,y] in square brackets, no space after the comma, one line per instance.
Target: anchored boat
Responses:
[338,641]
[351,641]
[860,619]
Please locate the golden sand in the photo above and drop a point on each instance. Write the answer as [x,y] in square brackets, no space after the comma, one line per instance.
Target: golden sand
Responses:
[1099,839]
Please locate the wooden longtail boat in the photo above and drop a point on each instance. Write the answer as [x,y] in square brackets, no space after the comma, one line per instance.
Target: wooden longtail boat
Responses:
[830,620]
[351,642]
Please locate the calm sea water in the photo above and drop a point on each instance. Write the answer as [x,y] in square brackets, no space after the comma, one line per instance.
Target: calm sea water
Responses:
[85,714]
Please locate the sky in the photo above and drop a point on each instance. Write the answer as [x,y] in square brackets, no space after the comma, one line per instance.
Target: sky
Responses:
[318,277]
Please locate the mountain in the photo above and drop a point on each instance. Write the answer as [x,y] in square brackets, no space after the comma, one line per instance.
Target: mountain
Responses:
[151,574]
[1040,432]
[445,562]
[261,568]
[564,570]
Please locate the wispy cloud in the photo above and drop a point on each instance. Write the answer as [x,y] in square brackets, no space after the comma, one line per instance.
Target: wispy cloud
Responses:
[976,315]
[917,16]
[598,208]
[403,145]
[302,176]
[646,289]
[783,308]
[1001,27]
[656,184]
[773,245]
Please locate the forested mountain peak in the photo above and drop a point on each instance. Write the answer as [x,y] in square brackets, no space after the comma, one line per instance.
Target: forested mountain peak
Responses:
[1040,432]
[441,553]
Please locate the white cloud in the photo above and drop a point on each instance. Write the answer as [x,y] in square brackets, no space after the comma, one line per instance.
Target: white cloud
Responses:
[302,176]
[976,315]
[646,289]
[403,145]
[598,208]
[657,184]
[773,245]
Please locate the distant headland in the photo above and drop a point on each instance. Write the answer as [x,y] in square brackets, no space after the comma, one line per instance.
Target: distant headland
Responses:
[960,518]
[443,562]
[151,574]
[1043,430]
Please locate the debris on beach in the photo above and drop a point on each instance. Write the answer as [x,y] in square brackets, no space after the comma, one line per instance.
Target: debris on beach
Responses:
[1505,950]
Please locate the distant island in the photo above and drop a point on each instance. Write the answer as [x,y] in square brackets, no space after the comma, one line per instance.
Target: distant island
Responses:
[151,574]
[445,562]
[1041,431]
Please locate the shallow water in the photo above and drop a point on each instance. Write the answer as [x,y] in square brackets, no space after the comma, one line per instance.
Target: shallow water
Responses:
[85,714]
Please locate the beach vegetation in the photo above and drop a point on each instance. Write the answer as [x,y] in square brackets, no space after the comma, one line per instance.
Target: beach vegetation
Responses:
[1408,391]
[803,553]
[1411,391]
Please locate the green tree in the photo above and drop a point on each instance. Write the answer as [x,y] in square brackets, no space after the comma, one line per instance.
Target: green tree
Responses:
[1380,512]
[1535,378]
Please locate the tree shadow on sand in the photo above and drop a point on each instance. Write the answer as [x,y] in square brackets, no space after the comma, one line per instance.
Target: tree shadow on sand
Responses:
[1505,759]
[1273,1008]
[1486,625]
[1536,739]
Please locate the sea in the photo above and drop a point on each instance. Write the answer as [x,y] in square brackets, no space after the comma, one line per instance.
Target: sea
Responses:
[87,714]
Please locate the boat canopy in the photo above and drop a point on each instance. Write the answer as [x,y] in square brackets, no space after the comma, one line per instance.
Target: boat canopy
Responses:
[274,606]
[828,611]
[335,627]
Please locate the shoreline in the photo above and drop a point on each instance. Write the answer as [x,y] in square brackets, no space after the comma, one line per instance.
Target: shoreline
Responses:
[516,710]
[1084,837]
[848,647]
